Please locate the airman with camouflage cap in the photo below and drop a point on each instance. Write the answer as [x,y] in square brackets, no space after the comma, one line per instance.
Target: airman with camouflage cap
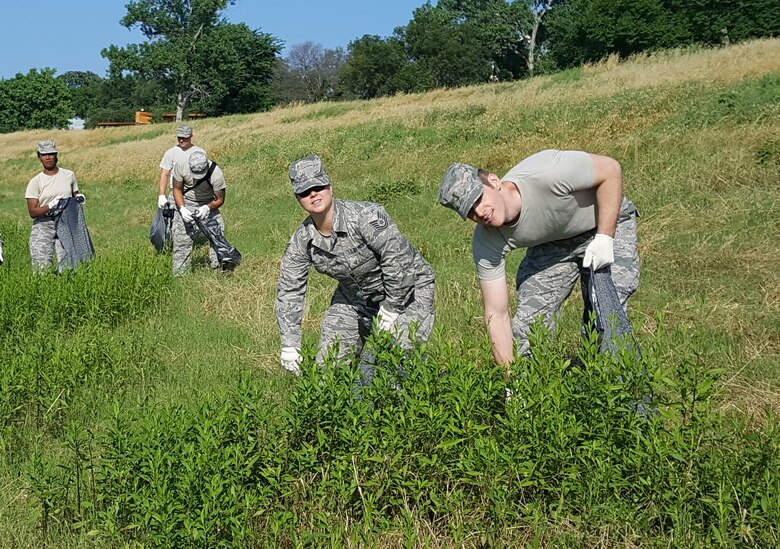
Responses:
[178,152]
[380,274]
[567,208]
[198,192]
[45,195]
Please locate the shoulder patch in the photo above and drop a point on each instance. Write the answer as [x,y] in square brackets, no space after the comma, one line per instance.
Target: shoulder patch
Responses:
[381,222]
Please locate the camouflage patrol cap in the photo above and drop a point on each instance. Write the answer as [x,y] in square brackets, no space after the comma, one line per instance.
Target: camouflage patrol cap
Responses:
[460,189]
[47,147]
[307,173]
[199,163]
[184,131]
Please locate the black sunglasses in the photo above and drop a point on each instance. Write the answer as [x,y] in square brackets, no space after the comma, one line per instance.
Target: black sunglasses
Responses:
[310,190]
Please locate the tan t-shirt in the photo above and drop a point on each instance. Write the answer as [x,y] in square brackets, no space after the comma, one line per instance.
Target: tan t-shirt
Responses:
[559,201]
[173,155]
[49,188]
[203,193]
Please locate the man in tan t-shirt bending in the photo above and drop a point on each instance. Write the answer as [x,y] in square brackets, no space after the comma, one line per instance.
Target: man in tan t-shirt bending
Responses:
[567,208]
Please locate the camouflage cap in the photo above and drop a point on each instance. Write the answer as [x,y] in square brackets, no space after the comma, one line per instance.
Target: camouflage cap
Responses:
[184,131]
[47,147]
[460,189]
[307,173]
[199,163]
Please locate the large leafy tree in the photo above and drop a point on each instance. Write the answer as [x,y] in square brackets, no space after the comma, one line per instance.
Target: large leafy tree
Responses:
[235,69]
[196,54]
[724,21]
[451,43]
[84,88]
[479,39]
[588,30]
[448,46]
[373,66]
[34,100]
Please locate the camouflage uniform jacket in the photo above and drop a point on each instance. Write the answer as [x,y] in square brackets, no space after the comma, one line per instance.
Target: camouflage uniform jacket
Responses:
[365,252]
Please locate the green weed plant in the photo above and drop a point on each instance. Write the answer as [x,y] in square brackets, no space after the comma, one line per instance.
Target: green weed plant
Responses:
[432,439]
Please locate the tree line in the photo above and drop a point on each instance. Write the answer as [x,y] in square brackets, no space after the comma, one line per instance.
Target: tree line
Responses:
[195,60]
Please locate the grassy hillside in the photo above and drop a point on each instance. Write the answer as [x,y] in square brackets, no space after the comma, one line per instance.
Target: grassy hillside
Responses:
[123,353]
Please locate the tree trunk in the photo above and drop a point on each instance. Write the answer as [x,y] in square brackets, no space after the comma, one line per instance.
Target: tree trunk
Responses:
[181,102]
[532,43]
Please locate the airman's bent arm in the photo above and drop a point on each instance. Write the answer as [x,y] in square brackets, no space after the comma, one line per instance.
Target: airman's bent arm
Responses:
[36,210]
[608,180]
[219,199]
[178,195]
[396,257]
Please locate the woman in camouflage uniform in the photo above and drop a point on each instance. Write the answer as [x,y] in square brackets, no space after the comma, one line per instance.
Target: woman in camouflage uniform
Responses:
[46,194]
[380,273]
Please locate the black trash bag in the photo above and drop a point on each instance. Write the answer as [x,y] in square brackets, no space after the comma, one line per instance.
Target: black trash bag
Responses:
[71,229]
[227,254]
[614,329]
[161,230]
[612,323]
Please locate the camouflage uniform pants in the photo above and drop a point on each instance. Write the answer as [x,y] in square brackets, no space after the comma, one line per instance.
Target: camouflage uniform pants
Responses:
[43,244]
[547,275]
[184,235]
[349,318]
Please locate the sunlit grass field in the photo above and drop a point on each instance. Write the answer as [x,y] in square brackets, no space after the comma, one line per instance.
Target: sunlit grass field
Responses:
[139,410]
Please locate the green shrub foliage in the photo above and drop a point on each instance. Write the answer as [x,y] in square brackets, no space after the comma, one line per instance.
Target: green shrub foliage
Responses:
[595,441]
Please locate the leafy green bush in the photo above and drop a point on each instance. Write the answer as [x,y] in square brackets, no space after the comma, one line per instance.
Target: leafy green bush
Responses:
[431,438]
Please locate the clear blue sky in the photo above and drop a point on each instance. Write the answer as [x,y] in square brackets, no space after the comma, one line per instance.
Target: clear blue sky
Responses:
[67,35]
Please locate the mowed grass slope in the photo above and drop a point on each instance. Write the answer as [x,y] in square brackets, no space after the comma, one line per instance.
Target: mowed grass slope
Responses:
[697,134]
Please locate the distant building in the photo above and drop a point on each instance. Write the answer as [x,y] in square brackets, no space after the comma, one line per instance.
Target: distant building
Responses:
[76,124]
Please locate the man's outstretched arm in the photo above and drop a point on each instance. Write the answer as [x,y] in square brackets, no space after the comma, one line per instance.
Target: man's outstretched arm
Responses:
[496,302]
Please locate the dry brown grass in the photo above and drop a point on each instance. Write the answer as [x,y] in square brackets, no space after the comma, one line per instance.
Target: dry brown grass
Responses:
[138,159]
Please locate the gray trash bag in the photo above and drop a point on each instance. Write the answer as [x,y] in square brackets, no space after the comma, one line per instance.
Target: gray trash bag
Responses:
[161,229]
[614,327]
[612,323]
[71,229]
[227,255]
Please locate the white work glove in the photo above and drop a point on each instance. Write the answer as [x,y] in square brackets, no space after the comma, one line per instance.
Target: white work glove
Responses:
[386,319]
[599,252]
[291,360]
[201,213]
[56,206]
[162,200]
[80,198]
[186,214]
